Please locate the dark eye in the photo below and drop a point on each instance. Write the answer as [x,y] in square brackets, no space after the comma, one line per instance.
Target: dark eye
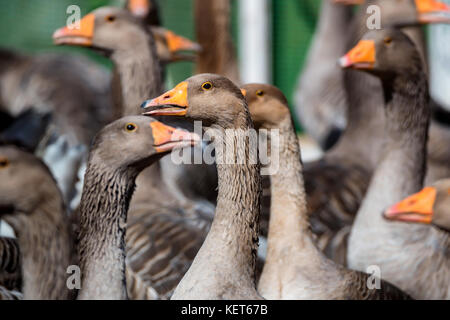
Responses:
[110,18]
[131,127]
[4,163]
[207,86]
[388,40]
[259,93]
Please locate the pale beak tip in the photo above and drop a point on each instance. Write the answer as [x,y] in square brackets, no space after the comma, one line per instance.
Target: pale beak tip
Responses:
[344,62]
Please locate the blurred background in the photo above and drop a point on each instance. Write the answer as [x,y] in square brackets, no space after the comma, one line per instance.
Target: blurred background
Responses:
[27,26]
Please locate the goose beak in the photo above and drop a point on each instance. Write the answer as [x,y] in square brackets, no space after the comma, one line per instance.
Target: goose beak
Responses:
[171,103]
[432,11]
[415,208]
[76,35]
[244,92]
[178,43]
[139,8]
[362,56]
[166,138]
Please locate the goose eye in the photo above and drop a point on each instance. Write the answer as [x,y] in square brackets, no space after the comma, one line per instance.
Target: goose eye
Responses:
[4,163]
[260,93]
[130,127]
[110,18]
[388,40]
[207,86]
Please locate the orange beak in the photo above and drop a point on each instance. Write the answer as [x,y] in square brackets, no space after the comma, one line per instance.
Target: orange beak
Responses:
[432,11]
[415,208]
[360,57]
[139,8]
[171,103]
[73,36]
[166,138]
[178,43]
[244,92]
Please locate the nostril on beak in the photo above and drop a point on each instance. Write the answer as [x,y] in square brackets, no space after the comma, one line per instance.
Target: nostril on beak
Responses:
[166,96]
[144,104]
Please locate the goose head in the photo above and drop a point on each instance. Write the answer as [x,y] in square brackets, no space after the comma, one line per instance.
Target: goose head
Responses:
[110,30]
[401,13]
[210,98]
[267,105]
[385,53]
[429,206]
[170,46]
[134,142]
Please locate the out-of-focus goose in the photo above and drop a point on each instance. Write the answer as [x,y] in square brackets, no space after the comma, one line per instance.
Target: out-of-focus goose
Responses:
[295,268]
[39,219]
[336,184]
[320,97]
[413,257]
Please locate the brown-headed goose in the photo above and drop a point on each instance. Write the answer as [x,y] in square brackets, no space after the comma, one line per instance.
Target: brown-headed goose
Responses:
[413,257]
[224,268]
[39,219]
[320,99]
[108,187]
[295,268]
[429,206]
[336,184]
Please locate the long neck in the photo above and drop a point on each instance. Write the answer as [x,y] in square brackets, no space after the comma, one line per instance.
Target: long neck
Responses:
[234,232]
[137,76]
[46,249]
[213,34]
[104,205]
[288,226]
[402,166]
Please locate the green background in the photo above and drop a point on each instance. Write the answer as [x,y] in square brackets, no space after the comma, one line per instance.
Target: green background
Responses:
[27,26]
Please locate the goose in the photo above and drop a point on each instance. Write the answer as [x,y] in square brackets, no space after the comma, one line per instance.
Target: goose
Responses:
[429,206]
[407,255]
[213,33]
[108,187]
[320,100]
[38,217]
[336,184]
[224,267]
[166,230]
[295,268]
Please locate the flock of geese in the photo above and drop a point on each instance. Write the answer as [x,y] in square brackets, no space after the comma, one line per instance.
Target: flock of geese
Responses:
[86,178]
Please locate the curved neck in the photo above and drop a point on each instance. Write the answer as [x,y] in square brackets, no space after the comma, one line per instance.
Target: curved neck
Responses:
[137,76]
[46,249]
[402,166]
[104,205]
